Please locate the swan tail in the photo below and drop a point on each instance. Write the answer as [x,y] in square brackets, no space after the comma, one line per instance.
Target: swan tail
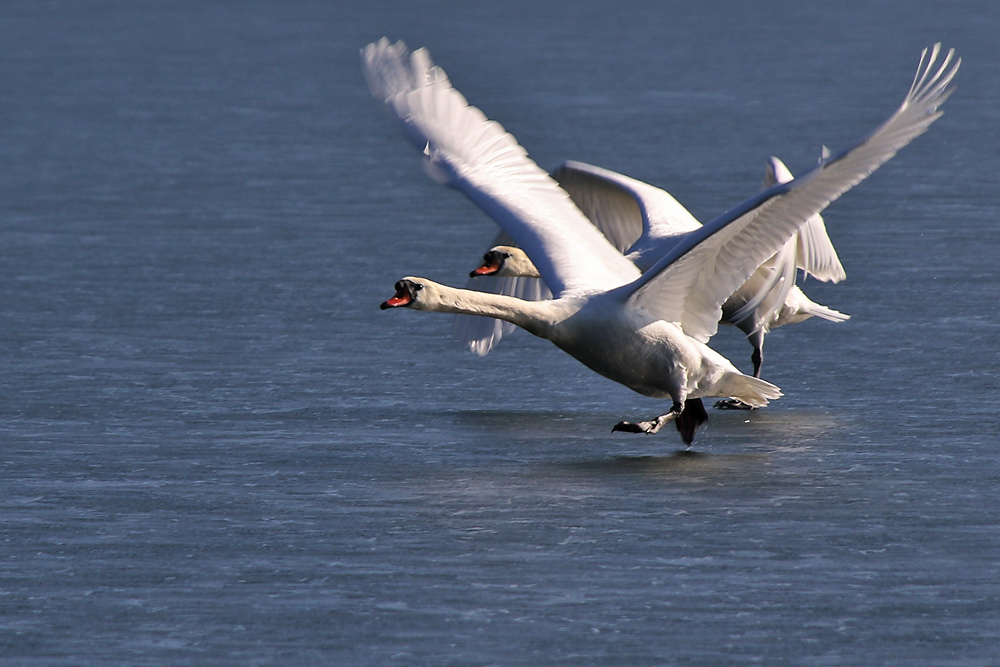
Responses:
[753,391]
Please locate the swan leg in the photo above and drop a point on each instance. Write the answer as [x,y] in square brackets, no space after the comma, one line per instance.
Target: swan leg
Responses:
[757,358]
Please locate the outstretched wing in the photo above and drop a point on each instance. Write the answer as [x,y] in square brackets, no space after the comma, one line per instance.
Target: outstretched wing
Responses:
[477,156]
[624,208]
[815,253]
[689,284]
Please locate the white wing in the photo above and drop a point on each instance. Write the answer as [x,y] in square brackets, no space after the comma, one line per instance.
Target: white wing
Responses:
[476,156]
[689,284]
[778,275]
[627,210]
[815,252]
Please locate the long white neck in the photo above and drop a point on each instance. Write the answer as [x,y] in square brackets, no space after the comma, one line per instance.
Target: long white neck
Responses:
[536,317]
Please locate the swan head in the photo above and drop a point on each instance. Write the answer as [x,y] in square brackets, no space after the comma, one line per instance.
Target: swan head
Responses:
[507,262]
[423,294]
[407,293]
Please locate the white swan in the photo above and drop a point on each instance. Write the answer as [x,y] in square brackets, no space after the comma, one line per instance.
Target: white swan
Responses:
[645,222]
[645,331]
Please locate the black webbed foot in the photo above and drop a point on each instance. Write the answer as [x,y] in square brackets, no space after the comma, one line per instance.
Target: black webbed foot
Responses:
[649,427]
[629,427]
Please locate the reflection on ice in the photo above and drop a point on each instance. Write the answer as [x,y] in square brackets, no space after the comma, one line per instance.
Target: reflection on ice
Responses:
[681,465]
[770,427]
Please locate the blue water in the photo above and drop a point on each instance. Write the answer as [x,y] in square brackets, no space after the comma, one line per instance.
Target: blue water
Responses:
[215,449]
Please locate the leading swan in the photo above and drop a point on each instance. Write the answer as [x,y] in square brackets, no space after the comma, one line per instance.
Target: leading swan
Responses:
[646,331]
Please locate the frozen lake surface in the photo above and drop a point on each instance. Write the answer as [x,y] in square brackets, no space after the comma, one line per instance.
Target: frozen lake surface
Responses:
[217,450]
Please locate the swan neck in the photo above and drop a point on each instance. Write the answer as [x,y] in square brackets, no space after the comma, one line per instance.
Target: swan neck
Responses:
[534,316]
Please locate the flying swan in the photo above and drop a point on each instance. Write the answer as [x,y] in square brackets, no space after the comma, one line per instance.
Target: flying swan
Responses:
[647,331]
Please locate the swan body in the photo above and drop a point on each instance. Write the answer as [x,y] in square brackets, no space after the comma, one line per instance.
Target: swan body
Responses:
[648,330]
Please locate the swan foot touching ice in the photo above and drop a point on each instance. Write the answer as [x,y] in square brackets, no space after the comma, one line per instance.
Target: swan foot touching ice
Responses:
[688,417]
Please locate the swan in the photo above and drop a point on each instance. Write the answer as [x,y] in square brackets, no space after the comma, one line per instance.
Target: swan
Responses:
[644,222]
[647,331]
